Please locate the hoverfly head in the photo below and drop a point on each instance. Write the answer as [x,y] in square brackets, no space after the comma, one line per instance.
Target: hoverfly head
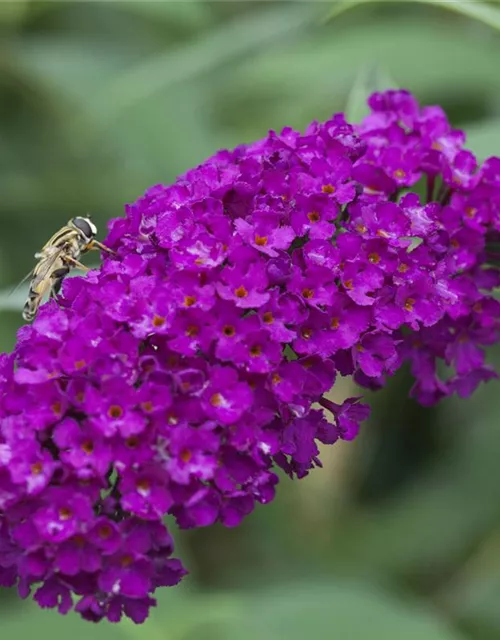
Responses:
[85,227]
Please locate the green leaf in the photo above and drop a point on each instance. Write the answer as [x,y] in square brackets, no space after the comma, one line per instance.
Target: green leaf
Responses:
[484,138]
[13,301]
[345,609]
[312,77]
[368,80]
[240,37]
[179,14]
[435,520]
[190,614]
[179,613]
[68,68]
[24,620]
[188,14]
[356,108]
[480,11]
[156,139]
[13,13]
[341,7]
[474,594]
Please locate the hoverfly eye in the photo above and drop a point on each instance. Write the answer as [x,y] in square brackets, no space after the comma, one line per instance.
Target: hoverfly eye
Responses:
[84,225]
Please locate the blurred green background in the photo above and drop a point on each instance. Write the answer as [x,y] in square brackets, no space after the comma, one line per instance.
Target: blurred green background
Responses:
[398,537]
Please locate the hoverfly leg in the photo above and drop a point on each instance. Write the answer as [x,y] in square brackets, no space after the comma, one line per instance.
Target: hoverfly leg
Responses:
[73,262]
[55,289]
[95,245]
[57,280]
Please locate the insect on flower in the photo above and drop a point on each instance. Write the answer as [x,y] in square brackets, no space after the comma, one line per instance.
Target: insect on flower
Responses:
[57,257]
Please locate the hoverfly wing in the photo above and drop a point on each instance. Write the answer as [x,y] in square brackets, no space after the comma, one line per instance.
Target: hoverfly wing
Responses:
[42,273]
[47,257]
[19,284]
[42,280]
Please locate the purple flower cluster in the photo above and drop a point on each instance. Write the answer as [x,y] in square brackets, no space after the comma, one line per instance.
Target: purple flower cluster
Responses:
[176,378]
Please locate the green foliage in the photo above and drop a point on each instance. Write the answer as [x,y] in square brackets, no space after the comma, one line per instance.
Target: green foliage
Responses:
[349,609]
[483,12]
[346,610]
[397,537]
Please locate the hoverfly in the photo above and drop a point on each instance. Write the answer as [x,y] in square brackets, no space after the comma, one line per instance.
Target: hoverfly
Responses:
[56,259]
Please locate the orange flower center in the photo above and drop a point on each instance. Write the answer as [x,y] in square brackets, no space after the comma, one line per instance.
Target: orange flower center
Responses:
[192,331]
[229,331]
[216,400]
[409,304]
[158,321]
[104,531]
[79,540]
[241,292]
[65,513]
[115,411]
[88,447]
[126,561]
[131,442]
[143,485]
[56,408]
